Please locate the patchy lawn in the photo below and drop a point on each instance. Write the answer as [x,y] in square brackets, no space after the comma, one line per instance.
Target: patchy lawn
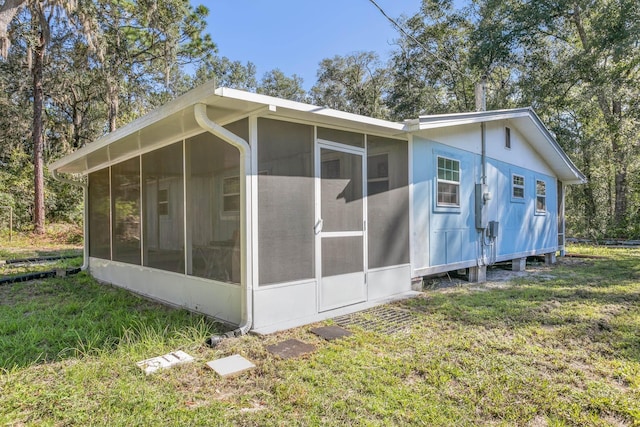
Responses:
[561,347]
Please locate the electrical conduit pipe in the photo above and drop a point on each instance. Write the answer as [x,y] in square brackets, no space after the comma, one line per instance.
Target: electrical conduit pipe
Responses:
[200,111]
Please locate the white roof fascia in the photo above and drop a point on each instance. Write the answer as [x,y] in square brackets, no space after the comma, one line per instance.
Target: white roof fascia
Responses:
[457,119]
[580,178]
[279,103]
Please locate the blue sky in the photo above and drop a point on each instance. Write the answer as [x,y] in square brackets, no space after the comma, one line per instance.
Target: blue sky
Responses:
[295,35]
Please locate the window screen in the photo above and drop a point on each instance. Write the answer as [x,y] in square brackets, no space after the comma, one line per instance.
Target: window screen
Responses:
[125,193]
[341,255]
[285,201]
[341,191]
[341,136]
[99,215]
[215,233]
[163,207]
[388,202]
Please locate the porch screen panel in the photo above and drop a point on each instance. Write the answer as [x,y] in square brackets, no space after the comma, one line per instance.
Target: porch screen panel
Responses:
[285,202]
[341,136]
[99,215]
[125,193]
[341,191]
[163,207]
[342,255]
[388,202]
[213,200]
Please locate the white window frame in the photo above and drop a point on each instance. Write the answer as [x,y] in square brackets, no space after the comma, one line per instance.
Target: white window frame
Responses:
[163,203]
[379,178]
[449,182]
[225,194]
[541,196]
[515,186]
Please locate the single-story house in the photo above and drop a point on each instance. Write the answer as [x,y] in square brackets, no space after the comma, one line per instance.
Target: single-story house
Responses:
[268,213]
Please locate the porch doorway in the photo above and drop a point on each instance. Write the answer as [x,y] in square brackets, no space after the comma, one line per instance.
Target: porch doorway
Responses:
[340,225]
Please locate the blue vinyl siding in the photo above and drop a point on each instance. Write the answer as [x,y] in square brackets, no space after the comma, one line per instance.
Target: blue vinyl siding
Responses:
[447,235]
[521,229]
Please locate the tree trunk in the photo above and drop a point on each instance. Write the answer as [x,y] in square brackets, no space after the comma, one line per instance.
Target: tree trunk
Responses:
[38,136]
[621,160]
[114,101]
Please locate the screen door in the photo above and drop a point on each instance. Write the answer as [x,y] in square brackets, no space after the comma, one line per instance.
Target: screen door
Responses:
[340,227]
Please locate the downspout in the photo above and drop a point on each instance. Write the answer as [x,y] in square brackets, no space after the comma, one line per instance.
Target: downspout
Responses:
[200,111]
[85,222]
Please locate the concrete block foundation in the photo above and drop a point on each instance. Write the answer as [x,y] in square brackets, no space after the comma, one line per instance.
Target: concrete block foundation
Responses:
[550,258]
[478,274]
[519,264]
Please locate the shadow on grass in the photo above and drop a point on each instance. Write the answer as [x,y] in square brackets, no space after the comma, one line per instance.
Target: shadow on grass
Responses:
[598,303]
[54,319]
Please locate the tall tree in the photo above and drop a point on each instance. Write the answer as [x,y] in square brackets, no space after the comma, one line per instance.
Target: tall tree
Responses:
[39,14]
[143,45]
[276,83]
[227,73]
[578,58]
[356,83]
[433,69]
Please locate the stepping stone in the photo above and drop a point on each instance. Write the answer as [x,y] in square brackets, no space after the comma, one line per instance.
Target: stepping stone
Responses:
[174,358]
[290,348]
[231,365]
[331,333]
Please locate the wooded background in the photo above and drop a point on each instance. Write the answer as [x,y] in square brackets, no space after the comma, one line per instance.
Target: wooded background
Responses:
[71,71]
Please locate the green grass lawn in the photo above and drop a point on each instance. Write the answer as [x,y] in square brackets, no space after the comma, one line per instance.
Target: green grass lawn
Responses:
[558,348]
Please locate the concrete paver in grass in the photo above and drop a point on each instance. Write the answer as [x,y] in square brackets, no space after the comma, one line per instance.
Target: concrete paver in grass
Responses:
[174,358]
[331,333]
[231,365]
[290,348]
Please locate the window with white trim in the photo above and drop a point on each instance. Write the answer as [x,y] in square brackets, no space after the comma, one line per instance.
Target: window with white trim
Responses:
[517,186]
[377,174]
[448,182]
[541,196]
[163,202]
[231,194]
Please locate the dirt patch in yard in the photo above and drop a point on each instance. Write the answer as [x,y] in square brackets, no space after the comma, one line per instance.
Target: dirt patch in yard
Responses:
[499,275]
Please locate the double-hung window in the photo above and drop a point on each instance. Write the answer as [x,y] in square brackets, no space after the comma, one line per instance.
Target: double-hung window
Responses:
[231,194]
[541,196]
[377,174]
[448,182]
[517,187]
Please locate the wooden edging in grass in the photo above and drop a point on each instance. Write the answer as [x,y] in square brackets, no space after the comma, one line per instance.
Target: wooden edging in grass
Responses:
[585,256]
[39,275]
